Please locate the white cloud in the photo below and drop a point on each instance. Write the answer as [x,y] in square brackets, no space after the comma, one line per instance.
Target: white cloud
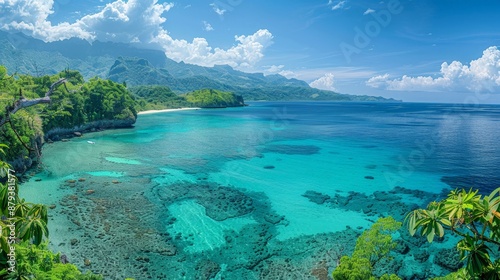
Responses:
[217,10]
[207,26]
[369,11]
[273,69]
[279,69]
[31,17]
[482,74]
[379,81]
[246,53]
[288,74]
[138,21]
[337,6]
[326,82]
[119,21]
[122,21]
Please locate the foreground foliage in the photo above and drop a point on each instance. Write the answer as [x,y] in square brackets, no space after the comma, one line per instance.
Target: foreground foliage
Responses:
[28,219]
[38,262]
[372,246]
[24,236]
[473,217]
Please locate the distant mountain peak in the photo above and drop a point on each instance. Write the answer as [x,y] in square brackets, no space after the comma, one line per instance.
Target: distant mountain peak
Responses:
[122,62]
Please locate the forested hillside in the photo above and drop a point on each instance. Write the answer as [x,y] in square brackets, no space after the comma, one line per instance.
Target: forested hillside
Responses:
[136,67]
[65,103]
[161,97]
[182,78]
[209,98]
[157,97]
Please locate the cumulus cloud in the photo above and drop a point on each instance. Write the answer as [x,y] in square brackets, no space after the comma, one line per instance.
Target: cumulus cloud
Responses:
[369,11]
[122,21]
[246,53]
[379,81]
[326,82]
[138,21]
[207,26]
[217,10]
[482,74]
[31,17]
[119,21]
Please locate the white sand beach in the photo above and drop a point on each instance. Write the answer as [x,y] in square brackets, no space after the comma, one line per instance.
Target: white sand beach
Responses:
[165,110]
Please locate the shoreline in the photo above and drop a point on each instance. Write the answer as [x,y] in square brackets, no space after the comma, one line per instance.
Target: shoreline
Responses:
[165,110]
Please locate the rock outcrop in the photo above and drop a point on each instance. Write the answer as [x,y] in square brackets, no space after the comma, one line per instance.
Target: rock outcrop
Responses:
[57,134]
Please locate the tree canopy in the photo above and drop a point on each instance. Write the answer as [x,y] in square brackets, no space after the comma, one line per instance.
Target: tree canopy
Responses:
[72,102]
[372,246]
[213,98]
[473,217]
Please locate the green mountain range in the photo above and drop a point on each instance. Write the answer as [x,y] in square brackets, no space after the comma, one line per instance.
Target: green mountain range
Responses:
[126,63]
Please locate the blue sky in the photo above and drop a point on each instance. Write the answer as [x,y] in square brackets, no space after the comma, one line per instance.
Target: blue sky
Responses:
[427,50]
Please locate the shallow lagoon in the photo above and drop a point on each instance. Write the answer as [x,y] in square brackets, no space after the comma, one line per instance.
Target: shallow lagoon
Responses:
[262,192]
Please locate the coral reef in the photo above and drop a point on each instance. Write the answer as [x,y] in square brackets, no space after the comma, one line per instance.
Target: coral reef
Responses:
[132,235]
[448,258]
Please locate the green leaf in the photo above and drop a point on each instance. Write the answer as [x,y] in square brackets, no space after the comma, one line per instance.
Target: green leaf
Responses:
[446,222]
[430,236]
[440,229]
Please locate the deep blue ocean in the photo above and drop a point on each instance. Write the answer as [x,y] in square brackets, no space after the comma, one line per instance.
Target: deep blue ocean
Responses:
[267,191]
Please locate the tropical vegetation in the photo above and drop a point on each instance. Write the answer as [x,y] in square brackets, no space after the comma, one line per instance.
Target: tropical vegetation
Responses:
[475,218]
[372,246]
[210,98]
[66,101]
[157,97]
[472,217]
[161,97]
[72,103]
[80,102]
[24,236]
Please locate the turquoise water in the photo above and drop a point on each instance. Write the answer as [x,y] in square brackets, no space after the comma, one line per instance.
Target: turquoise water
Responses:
[267,191]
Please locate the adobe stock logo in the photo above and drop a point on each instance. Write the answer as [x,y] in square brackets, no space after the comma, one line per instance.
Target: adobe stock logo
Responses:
[372,29]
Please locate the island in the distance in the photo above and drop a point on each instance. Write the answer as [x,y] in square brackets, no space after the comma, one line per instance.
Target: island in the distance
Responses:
[210,98]
[156,97]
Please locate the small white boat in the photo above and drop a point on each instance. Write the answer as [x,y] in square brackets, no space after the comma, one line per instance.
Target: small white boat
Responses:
[91,142]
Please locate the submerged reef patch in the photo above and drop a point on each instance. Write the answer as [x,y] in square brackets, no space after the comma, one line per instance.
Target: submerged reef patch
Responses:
[135,235]
[220,202]
[316,197]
